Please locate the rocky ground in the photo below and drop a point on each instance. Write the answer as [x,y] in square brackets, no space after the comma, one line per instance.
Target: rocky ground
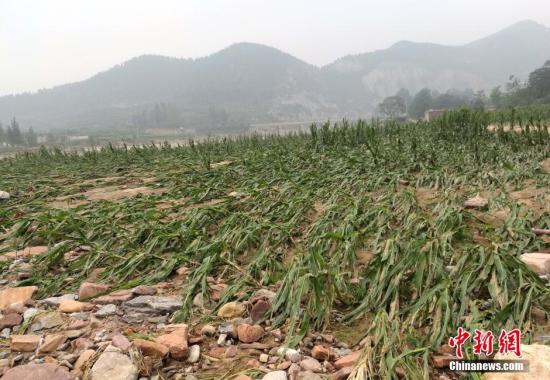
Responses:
[106,334]
[128,334]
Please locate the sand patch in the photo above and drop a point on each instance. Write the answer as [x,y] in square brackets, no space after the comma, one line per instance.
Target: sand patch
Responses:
[425,196]
[107,193]
[220,164]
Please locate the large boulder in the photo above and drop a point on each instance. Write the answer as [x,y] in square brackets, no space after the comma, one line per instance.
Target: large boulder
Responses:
[538,356]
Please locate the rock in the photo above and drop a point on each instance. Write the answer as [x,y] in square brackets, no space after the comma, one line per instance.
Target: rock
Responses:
[89,290]
[106,311]
[275,375]
[537,355]
[72,334]
[259,310]
[348,360]
[24,343]
[208,330]
[47,321]
[242,377]
[231,351]
[249,333]
[442,361]
[320,352]
[14,295]
[476,202]
[176,341]
[116,297]
[51,343]
[231,310]
[46,371]
[294,370]
[55,301]
[263,294]
[290,354]
[144,290]
[194,353]
[537,262]
[311,364]
[308,376]
[81,344]
[10,320]
[228,328]
[4,195]
[112,365]
[221,339]
[161,304]
[26,253]
[5,333]
[154,349]
[30,313]
[81,361]
[70,306]
[342,374]
[264,358]
[120,341]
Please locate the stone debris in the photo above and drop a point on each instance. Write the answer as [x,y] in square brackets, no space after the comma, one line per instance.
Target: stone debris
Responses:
[232,310]
[537,262]
[70,306]
[4,195]
[176,341]
[106,311]
[155,304]
[194,353]
[133,336]
[537,355]
[275,375]
[11,296]
[113,365]
[24,343]
[46,371]
[249,334]
[150,348]
[89,290]
[476,202]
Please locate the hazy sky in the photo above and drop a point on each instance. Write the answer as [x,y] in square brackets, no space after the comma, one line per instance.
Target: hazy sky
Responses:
[49,42]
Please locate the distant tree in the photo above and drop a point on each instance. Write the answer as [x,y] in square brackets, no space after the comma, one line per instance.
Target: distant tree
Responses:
[479,100]
[538,85]
[392,107]
[2,134]
[496,97]
[405,95]
[513,84]
[421,103]
[31,138]
[14,133]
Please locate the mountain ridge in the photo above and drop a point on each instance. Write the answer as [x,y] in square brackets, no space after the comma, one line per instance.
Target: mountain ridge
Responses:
[248,82]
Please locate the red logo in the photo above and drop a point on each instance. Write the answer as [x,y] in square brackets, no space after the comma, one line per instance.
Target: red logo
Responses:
[458,341]
[508,342]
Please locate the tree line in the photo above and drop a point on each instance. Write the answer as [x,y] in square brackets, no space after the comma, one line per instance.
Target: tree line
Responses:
[535,90]
[13,136]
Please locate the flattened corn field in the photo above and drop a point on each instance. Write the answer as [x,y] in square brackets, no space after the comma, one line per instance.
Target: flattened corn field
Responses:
[358,227]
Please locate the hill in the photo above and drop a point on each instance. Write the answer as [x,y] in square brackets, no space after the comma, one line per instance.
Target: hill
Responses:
[247,83]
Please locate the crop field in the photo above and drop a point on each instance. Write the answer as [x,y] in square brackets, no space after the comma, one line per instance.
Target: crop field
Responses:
[359,229]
